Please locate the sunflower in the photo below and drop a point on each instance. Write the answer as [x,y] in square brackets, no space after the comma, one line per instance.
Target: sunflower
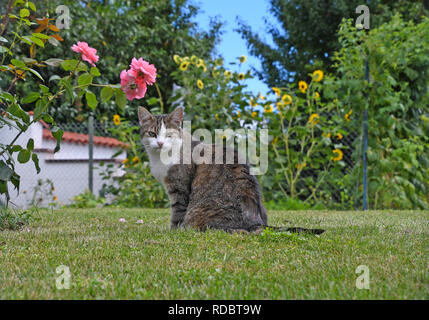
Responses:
[347,116]
[136,159]
[117,119]
[260,96]
[194,59]
[302,85]
[125,161]
[202,64]
[280,105]
[316,95]
[252,103]
[55,198]
[317,75]
[184,66]
[339,136]
[327,134]
[219,62]
[215,73]
[177,59]
[339,155]
[314,118]
[299,166]
[217,116]
[242,59]
[287,99]
[227,74]
[253,114]
[241,76]
[200,84]
[268,109]
[277,91]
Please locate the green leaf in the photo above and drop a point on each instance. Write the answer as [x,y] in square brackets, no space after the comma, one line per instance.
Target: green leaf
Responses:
[19,64]
[15,110]
[3,39]
[24,13]
[30,144]
[44,89]
[95,72]
[69,65]
[31,97]
[36,162]
[152,101]
[37,41]
[5,171]
[69,90]
[48,119]
[106,94]
[57,133]
[121,99]
[36,74]
[84,79]
[41,36]
[32,6]
[54,62]
[24,156]
[91,99]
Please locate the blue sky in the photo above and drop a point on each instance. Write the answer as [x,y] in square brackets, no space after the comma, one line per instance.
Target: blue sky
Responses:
[232,46]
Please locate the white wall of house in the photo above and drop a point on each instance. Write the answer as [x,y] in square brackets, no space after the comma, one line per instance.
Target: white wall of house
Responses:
[68,169]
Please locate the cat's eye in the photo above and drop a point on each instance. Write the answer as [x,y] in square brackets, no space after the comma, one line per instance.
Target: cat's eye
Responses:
[151,134]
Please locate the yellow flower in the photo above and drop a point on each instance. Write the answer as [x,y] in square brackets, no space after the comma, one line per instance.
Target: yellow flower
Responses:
[314,118]
[55,198]
[268,109]
[277,91]
[136,159]
[227,74]
[260,96]
[254,114]
[347,116]
[184,65]
[339,136]
[274,141]
[117,119]
[125,161]
[241,76]
[252,103]
[201,64]
[302,85]
[238,113]
[316,95]
[242,59]
[280,105]
[287,99]
[215,73]
[327,135]
[317,75]
[339,155]
[200,84]
[299,166]
[217,116]
[219,62]
[177,59]
[194,59]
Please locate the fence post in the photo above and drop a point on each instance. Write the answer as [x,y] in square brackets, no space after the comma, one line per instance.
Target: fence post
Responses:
[365,141]
[91,152]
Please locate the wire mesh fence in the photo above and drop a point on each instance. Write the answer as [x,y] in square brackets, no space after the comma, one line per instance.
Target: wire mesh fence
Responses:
[67,173]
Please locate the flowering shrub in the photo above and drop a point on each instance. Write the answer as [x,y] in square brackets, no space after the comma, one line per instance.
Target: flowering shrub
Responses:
[75,84]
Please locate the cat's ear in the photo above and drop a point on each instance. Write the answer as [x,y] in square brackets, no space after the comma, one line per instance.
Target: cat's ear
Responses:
[176,116]
[144,116]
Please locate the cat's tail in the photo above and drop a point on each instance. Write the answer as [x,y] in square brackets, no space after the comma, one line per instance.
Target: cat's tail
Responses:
[294,230]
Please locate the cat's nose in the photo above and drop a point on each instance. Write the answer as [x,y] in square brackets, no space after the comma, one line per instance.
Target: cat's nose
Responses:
[160,144]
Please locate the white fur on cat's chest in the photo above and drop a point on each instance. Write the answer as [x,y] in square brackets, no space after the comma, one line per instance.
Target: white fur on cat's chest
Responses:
[159,170]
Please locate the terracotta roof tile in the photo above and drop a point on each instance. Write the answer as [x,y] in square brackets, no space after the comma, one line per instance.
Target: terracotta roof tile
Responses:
[84,139]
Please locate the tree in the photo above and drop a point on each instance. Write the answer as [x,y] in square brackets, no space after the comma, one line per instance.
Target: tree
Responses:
[308,37]
[121,30]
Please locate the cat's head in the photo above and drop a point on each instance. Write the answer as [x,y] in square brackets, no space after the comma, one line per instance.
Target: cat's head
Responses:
[160,131]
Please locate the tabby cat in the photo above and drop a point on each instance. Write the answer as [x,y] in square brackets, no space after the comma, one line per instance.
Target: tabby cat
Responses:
[203,196]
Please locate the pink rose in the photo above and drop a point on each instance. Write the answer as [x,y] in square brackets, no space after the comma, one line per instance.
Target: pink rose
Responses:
[88,53]
[144,69]
[133,86]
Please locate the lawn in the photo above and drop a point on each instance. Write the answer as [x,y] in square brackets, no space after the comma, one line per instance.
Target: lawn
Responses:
[109,259]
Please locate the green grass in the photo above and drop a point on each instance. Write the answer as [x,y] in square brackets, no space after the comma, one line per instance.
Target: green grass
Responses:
[109,259]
